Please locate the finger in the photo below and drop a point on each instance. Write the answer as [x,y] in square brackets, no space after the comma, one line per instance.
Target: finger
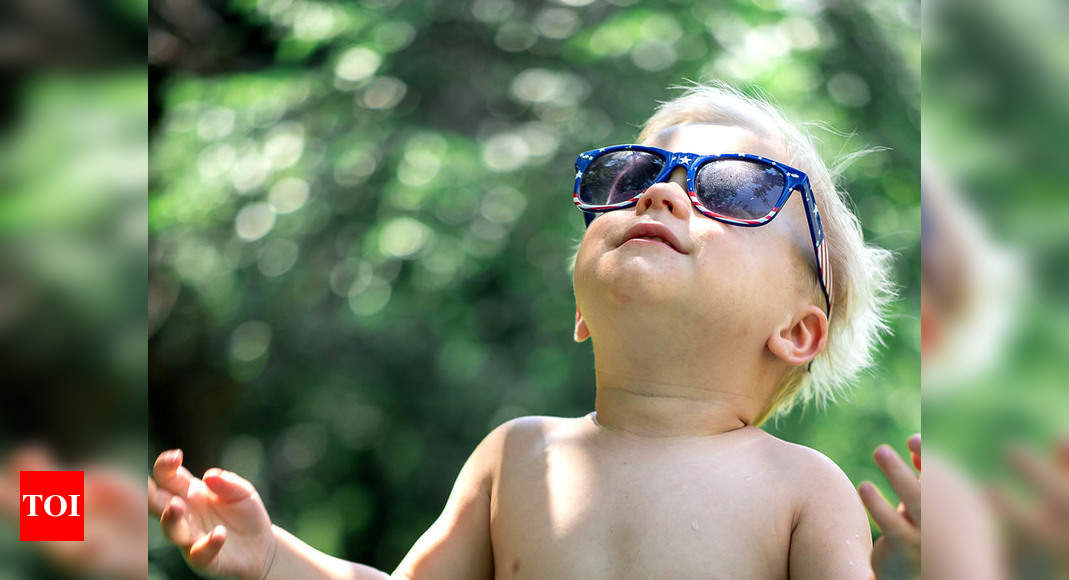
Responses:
[157,498]
[902,479]
[207,547]
[170,474]
[1063,454]
[885,516]
[174,524]
[1024,520]
[902,511]
[1043,476]
[229,486]
[914,444]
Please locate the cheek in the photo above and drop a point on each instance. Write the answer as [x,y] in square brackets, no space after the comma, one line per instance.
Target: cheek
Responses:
[592,245]
[747,267]
[583,265]
[593,238]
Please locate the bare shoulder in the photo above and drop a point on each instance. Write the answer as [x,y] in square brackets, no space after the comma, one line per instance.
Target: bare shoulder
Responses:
[527,429]
[521,437]
[815,477]
[830,535]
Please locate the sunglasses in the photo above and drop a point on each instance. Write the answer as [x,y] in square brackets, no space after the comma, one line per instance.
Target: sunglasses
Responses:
[734,188]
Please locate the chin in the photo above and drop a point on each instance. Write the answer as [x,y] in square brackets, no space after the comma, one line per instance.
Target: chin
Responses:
[638,277]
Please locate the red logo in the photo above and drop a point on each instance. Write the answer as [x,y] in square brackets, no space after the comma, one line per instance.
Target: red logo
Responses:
[51,506]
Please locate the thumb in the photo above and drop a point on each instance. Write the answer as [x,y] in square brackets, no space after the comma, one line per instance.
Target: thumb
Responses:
[229,486]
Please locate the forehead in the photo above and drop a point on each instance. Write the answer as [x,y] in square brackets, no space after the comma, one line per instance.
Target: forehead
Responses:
[710,139]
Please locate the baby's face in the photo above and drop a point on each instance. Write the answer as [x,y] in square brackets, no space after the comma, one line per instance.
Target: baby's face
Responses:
[712,275]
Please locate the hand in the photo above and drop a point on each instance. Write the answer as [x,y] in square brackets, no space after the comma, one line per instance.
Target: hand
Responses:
[897,553]
[219,522]
[114,520]
[1040,531]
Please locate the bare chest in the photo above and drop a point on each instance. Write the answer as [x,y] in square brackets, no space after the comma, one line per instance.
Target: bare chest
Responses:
[578,511]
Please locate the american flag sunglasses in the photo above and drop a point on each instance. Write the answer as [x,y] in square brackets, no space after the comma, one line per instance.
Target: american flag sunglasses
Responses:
[734,188]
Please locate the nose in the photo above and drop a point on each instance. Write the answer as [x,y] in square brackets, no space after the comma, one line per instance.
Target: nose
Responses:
[669,195]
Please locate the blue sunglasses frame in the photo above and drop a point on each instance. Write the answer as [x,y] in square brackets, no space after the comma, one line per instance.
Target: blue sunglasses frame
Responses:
[794,179]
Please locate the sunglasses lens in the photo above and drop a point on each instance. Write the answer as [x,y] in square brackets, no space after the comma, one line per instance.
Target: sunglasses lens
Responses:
[739,188]
[618,176]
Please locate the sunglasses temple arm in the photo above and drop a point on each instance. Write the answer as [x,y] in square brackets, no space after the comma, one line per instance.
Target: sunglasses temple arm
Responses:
[810,219]
[813,218]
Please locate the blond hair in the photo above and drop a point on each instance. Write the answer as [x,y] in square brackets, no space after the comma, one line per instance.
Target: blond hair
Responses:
[862,284]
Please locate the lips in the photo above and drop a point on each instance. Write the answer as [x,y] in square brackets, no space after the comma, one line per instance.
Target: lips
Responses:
[655,232]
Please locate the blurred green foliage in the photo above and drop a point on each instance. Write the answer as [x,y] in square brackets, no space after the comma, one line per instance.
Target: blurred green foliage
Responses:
[995,126]
[360,217]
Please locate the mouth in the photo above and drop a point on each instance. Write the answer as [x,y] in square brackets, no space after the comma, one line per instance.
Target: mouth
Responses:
[653,233]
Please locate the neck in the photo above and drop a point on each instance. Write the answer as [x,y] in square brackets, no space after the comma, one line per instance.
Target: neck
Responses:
[671,389]
[650,415]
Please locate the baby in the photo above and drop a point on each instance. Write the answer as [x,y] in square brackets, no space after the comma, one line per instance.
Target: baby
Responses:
[714,297]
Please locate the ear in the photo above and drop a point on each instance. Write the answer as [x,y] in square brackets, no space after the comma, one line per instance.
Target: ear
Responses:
[800,338]
[581,331]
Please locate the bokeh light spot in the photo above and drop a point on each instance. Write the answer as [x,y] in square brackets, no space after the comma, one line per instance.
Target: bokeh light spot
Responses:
[653,55]
[288,195]
[849,90]
[249,172]
[215,124]
[515,36]
[371,299]
[505,152]
[384,93]
[284,146]
[250,340]
[557,23]
[357,63]
[254,221]
[278,256]
[402,237]
[492,11]
[503,205]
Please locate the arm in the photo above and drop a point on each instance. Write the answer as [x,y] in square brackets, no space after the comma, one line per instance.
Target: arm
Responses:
[292,558]
[222,528]
[457,546]
[831,537]
[220,524]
